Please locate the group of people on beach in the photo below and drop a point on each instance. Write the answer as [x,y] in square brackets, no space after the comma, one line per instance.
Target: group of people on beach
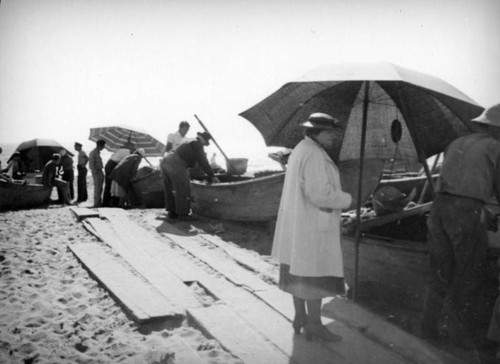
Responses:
[113,180]
[308,232]
[307,237]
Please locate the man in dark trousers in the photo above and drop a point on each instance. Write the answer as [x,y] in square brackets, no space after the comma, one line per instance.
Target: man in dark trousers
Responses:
[68,175]
[175,170]
[457,223]
[96,168]
[82,160]
[49,178]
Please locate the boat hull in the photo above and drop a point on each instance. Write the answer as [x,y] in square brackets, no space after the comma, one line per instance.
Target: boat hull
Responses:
[241,198]
[255,199]
[397,270]
[20,195]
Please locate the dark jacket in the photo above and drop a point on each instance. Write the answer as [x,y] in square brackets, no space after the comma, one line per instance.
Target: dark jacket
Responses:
[126,170]
[192,152]
[49,173]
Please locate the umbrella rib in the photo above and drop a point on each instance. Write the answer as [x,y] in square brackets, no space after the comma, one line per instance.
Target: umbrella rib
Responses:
[286,121]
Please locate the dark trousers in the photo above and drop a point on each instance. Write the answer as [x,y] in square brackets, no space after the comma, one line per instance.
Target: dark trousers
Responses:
[69,176]
[176,184]
[108,168]
[458,258]
[82,184]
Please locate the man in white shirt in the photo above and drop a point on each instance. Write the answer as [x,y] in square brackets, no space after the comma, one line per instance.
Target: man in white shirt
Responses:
[174,139]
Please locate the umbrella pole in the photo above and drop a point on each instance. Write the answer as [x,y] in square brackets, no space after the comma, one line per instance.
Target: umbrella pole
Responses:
[204,128]
[360,190]
[426,185]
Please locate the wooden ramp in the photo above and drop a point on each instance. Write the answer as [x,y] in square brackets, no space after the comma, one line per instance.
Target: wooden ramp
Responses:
[249,317]
[125,240]
[139,299]
[82,213]
[234,334]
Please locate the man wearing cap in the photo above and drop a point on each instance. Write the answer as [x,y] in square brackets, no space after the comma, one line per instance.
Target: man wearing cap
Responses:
[113,161]
[175,170]
[307,236]
[49,178]
[123,175]
[177,138]
[96,166]
[457,224]
[81,166]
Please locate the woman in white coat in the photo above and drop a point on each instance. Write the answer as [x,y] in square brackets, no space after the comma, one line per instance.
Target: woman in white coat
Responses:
[308,229]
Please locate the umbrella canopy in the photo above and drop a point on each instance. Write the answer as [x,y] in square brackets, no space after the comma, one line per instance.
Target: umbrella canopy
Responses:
[367,98]
[432,112]
[116,136]
[36,153]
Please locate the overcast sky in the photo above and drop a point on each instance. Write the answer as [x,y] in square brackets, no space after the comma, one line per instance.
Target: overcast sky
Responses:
[69,65]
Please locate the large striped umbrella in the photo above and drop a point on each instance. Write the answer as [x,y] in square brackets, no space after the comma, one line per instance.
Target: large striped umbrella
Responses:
[116,136]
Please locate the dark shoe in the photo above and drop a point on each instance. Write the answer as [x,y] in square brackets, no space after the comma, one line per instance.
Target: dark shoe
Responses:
[171,215]
[320,331]
[298,323]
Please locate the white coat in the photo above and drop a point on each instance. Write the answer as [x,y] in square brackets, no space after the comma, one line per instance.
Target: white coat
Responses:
[307,238]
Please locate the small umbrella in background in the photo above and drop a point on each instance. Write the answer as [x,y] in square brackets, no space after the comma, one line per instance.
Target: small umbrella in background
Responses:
[116,136]
[367,98]
[36,153]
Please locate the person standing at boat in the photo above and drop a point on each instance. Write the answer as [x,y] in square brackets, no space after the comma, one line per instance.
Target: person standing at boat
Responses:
[175,171]
[49,178]
[457,225]
[68,175]
[123,175]
[96,167]
[111,164]
[14,169]
[81,165]
[177,138]
[308,228]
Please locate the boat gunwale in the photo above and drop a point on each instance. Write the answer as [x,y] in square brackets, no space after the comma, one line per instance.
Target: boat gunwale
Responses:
[249,181]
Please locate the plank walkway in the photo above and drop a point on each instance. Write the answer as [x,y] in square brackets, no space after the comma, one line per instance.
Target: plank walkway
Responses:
[140,300]
[249,317]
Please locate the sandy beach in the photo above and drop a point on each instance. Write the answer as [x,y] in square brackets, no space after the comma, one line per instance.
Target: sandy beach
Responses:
[52,311]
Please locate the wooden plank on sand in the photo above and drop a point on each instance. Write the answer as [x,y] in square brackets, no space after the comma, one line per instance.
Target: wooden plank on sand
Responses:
[82,213]
[244,257]
[236,336]
[141,300]
[217,259]
[124,238]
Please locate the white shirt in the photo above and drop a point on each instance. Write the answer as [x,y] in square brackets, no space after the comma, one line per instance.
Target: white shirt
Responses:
[175,139]
[119,155]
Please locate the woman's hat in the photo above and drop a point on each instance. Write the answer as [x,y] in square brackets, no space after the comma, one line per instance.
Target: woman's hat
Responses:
[490,116]
[206,136]
[141,152]
[319,120]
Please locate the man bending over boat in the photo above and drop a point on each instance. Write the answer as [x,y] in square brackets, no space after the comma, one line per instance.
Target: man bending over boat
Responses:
[175,171]
[49,179]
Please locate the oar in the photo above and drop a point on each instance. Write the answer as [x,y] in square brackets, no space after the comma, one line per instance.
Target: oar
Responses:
[224,154]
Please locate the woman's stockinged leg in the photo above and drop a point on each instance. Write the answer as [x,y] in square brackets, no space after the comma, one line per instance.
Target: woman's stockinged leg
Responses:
[314,326]
[300,318]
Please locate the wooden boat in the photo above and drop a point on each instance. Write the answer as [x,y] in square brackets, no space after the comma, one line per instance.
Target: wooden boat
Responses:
[246,198]
[394,261]
[17,194]
[407,183]
[252,199]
